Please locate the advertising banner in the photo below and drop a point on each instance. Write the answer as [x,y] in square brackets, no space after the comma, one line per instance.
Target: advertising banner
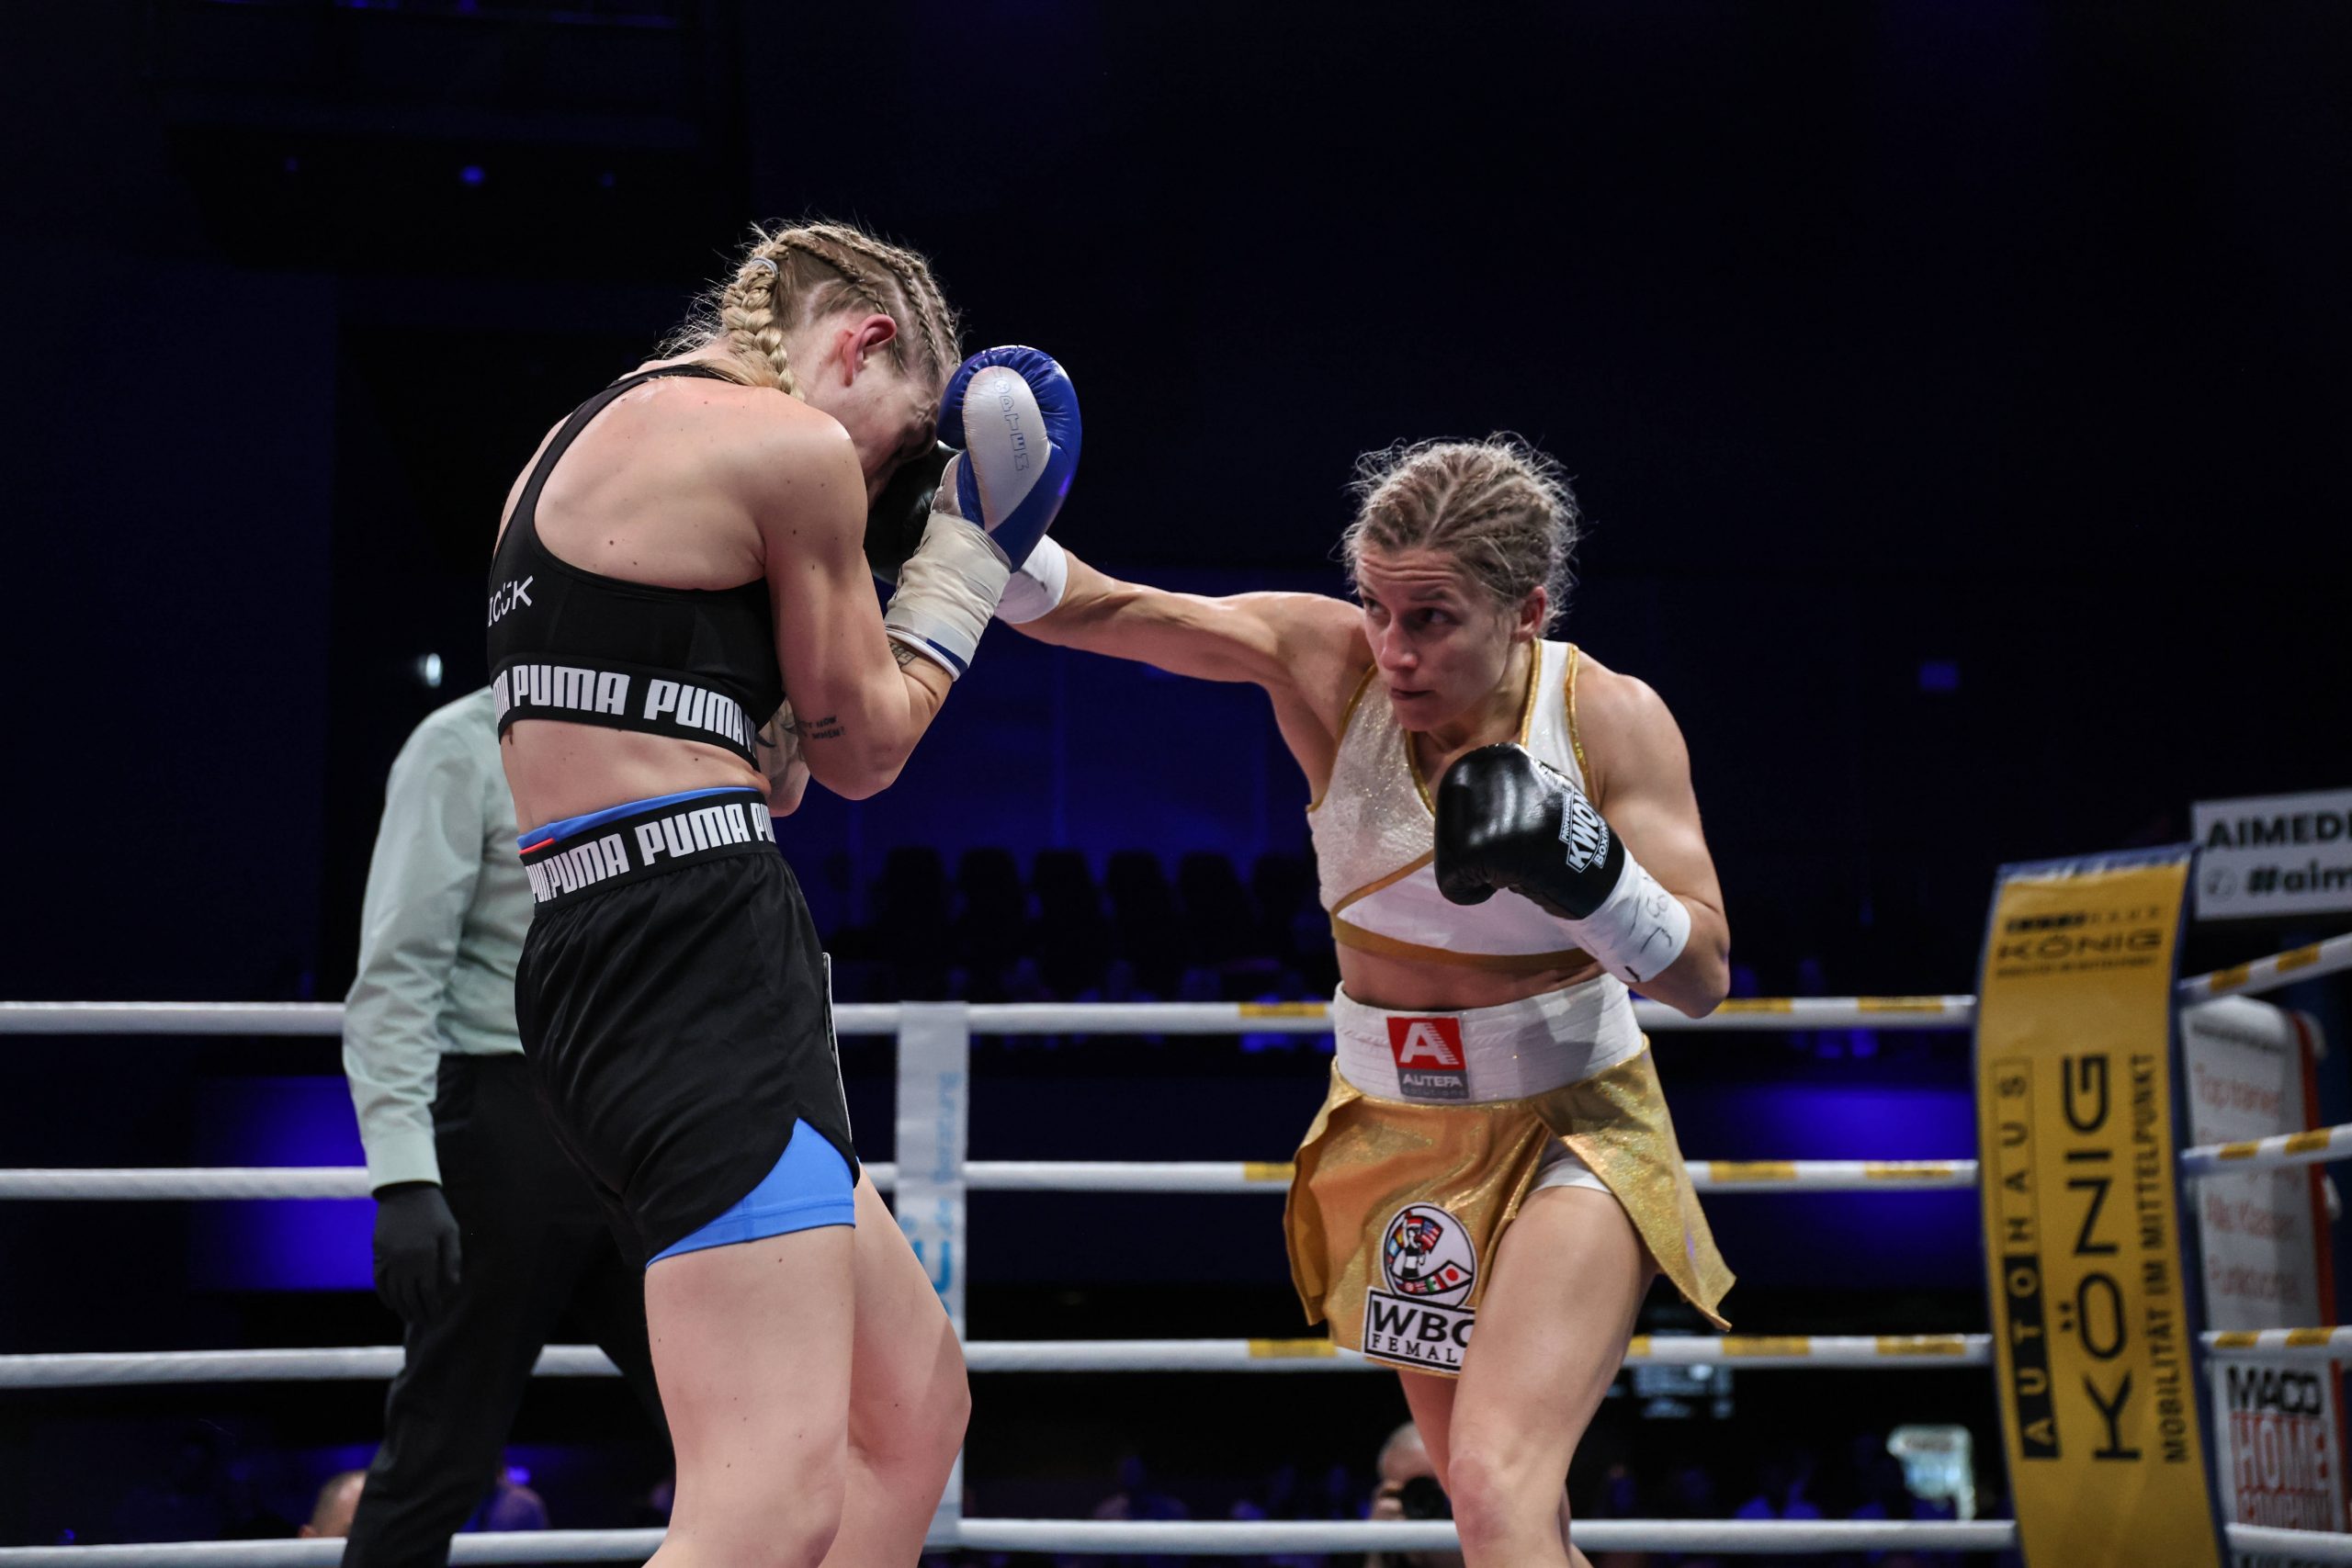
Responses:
[2093,1326]
[2278,1432]
[2274,854]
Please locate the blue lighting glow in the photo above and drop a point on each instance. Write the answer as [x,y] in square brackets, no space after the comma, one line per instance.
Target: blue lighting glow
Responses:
[1846,1240]
[291,1244]
[471,174]
[1939,674]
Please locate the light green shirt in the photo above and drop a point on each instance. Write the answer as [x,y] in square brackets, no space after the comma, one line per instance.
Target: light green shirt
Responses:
[440,931]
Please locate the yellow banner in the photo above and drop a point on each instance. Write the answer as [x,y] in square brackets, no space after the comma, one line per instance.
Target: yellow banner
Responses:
[2092,1330]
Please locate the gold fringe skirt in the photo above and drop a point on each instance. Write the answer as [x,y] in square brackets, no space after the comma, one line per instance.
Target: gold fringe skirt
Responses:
[1396,1207]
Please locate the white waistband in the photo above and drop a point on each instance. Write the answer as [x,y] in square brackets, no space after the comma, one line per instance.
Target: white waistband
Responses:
[1506,1052]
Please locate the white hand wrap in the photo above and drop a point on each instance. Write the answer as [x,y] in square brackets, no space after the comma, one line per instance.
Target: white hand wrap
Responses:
[1640,928]
[947,593]
[1037,586]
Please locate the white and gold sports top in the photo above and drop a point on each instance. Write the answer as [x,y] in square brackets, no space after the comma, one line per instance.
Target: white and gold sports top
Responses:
[1375,839]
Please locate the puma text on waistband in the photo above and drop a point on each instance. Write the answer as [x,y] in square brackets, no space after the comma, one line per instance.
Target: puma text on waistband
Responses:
[622,846]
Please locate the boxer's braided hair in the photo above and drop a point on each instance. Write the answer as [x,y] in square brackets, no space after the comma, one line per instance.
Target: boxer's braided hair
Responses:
[1499,507]
[790,275]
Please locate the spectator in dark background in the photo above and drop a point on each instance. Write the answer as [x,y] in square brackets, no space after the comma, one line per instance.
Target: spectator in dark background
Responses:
[1692,1492]
[1408,1489]
[1885,1492]
[338,1500]
[1139,1498]
[511,1506]
[1780,1490]
[206,1492]
[1605,1485]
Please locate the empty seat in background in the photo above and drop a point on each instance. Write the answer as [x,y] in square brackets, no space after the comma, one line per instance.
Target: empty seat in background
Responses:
[1150,935]
[1073,939]
[911,926]
[991,935]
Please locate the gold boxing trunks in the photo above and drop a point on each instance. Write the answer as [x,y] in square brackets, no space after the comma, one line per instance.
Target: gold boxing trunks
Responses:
[1401,1197]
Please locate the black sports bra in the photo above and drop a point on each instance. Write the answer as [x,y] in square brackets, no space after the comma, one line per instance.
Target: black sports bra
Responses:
[691,663]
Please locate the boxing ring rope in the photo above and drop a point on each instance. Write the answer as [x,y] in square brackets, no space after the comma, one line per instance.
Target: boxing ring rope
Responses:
[1217,1538]
[1734,1537]
[380,1362]
[963,1022]
[1756,1352]
[1742,1014]
[1265,1176]
[1270,1177]
[284,1019]
[2312,1147]
[2290,967]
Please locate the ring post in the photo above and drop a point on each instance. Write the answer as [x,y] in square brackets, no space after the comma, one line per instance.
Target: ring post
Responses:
[2094,1304]
[934,1122]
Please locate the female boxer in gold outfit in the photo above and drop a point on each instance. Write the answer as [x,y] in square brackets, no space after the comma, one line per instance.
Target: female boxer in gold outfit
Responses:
[1494,1151]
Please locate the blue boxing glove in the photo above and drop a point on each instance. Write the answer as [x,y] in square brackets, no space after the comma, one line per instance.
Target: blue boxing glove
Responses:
[1013,414]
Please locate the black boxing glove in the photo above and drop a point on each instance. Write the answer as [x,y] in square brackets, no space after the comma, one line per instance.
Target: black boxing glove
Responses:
[894,523]
[1506,821]
[416,1248]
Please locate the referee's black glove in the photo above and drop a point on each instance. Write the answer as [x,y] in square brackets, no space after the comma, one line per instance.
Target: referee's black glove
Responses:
[416,1248]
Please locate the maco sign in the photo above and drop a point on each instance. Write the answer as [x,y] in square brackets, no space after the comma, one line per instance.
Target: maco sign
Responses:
[2274,854]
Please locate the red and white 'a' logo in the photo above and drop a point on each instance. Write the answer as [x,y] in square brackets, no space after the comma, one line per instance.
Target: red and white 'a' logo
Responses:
[1425,1043]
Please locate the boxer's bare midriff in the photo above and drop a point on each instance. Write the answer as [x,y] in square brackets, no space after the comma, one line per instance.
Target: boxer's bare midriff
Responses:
[1402,985]
[559,770]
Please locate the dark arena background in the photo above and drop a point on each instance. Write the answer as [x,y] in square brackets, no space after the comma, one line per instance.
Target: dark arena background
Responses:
[1958,394]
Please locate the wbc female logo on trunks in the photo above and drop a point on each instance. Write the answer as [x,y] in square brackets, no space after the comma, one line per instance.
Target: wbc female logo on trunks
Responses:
[1428,1265]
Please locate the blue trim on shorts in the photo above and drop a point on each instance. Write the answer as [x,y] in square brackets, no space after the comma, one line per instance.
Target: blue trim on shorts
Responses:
[566,827]
[810,1187]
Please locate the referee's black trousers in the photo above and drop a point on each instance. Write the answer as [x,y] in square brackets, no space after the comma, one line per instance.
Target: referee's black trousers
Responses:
[535,1241]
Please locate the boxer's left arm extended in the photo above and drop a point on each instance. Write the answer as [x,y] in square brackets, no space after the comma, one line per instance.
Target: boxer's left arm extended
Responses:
[1304,650]
[1627,868]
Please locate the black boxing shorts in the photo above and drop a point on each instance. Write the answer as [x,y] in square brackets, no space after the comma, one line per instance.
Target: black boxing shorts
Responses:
[674,1007]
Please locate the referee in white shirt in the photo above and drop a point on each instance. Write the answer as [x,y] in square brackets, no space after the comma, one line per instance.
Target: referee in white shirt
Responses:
[485,1232]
